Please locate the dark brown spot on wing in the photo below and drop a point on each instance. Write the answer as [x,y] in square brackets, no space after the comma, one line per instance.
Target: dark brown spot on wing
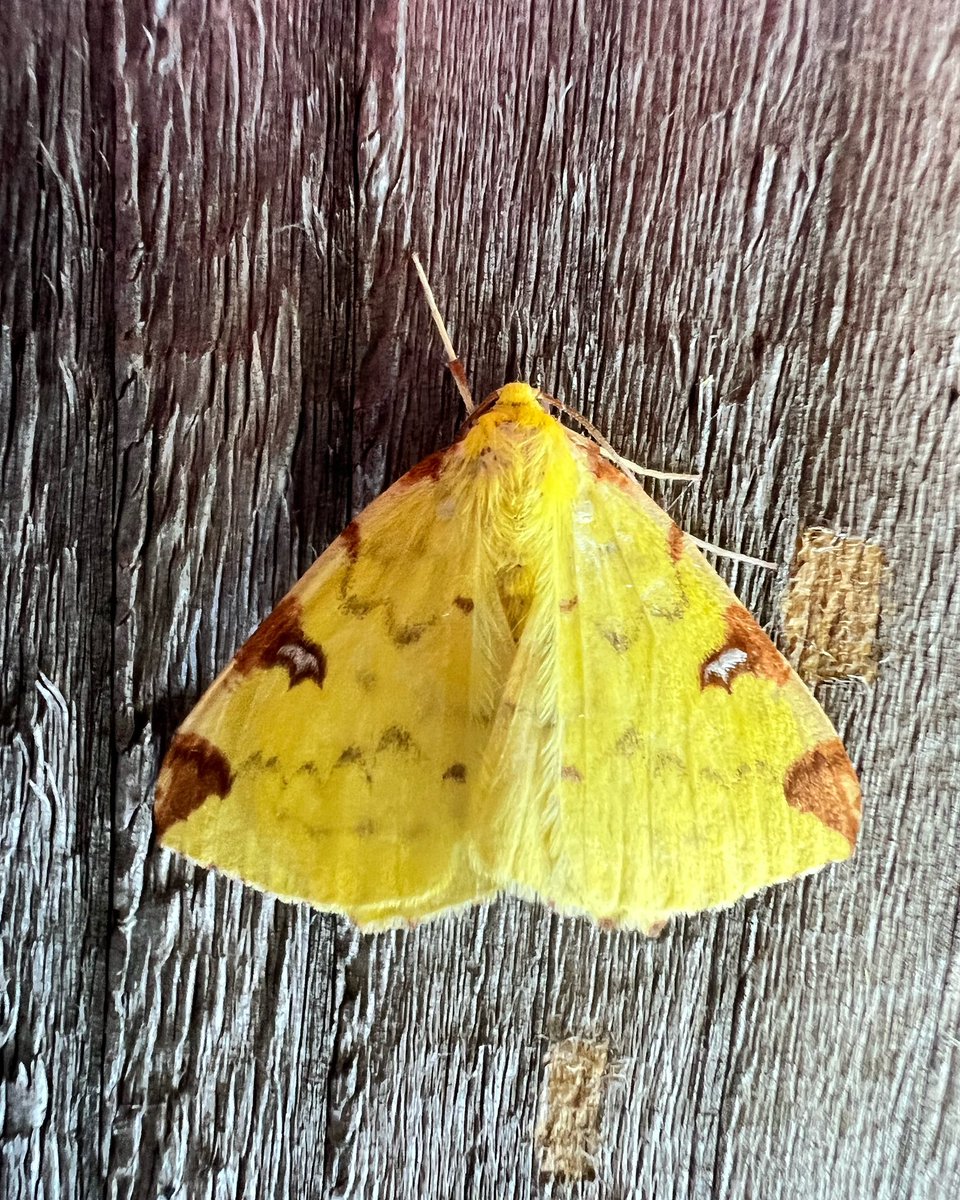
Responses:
[303,660]
[457,772]
[569,605]
[351,540]
[280,642]
[675,542]
[257,762]
[824,783]
[464,603]
[354,606]
[193,769]
[746,650]
[353,756]
[407,635]
[396,738]
[571,774]
[430,468]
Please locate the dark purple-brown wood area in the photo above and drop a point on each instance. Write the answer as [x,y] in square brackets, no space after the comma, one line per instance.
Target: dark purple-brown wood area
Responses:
[729,233]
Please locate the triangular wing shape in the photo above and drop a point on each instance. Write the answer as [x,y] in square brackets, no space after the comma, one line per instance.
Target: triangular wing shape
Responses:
[335,758]
[671,758]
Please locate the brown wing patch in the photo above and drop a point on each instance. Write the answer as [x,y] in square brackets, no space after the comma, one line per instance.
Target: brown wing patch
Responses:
[824,783]
[193,770]
[569,605]
[464,603]
[429,468]
[457,772]
[351,540]
[746,649]
[675,541]
[604,470]
[571,774]
[280,642]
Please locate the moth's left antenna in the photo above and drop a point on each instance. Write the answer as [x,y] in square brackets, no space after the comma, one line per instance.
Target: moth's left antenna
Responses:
[453,361]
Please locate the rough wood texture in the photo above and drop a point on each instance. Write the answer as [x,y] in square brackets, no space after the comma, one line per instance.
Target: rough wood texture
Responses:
[729,233]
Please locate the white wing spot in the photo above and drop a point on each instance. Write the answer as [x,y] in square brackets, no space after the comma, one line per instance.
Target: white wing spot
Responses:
[725,664]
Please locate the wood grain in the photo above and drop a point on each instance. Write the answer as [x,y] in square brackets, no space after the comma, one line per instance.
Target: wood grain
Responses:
[727,232]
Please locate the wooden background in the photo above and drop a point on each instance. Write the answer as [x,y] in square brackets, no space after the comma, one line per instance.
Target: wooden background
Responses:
[729,230]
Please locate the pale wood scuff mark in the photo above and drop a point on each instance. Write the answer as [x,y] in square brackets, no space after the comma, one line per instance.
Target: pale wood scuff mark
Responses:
[831,611]
[568,1133]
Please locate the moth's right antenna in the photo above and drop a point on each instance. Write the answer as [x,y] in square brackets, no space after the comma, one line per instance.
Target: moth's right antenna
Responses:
[453,362]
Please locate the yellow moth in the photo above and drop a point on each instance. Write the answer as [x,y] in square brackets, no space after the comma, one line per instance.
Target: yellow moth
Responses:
[511,673]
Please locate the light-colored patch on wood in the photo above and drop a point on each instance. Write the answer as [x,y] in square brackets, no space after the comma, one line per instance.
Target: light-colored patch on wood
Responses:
[832,607]
[568,1134]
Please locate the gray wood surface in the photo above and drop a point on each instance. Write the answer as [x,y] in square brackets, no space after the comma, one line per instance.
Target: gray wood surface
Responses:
[730,234]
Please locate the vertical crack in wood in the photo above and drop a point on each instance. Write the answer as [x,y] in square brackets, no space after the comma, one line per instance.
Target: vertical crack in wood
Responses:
[346,1074]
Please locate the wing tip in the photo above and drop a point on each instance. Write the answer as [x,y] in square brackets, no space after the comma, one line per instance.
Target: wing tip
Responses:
[822,781]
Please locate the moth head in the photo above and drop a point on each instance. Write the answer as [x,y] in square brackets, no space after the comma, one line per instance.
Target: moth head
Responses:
[518,396]
[513,400]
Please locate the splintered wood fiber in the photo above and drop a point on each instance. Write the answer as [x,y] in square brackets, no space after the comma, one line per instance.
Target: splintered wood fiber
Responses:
[832,607]
[568,1134]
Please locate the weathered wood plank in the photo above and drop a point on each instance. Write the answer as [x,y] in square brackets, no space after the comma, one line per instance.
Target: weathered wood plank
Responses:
[729,234]
[56,464]
[233,364]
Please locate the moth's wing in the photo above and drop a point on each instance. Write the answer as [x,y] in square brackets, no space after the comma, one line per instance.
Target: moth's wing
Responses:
[335,759]
[667,756]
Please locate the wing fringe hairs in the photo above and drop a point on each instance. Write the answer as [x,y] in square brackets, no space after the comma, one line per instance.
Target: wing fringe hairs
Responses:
[511,673]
